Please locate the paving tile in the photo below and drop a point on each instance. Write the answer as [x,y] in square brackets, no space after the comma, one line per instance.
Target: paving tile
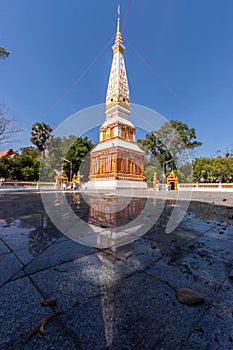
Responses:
[9,266]
[19,274]
[220,250]
[56,338]
[167,322]
[131,314]
[20,309]
[3,248]
[87,322]
[136,256]
[57,253]
[214,331]
[176,278]
[17,238]
[204,267]
[72,282]
[221,233]
[27,242]
[81,278]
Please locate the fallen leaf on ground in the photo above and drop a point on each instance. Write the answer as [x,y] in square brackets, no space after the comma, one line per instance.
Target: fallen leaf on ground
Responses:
[38,326]
[152,246]
[199,329]
[49,302]
[188,296]
[41,329]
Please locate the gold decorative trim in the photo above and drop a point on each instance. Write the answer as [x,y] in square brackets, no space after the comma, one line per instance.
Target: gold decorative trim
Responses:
[119,48]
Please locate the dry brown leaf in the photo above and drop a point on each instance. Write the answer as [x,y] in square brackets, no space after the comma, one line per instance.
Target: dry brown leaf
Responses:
[33,332]
[188,296]
[199,329]
[38,326]
[49,302]
[152,246]
[41,329]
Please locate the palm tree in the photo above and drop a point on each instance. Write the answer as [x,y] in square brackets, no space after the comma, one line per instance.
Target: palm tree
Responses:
[41,132]
[3,53]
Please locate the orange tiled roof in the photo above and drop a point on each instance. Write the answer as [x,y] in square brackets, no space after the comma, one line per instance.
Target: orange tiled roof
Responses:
[8,152]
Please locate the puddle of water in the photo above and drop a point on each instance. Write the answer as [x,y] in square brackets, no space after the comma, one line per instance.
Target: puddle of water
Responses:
[26,214]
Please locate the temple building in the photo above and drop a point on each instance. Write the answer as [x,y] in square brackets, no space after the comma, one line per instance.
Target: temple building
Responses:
[117,161]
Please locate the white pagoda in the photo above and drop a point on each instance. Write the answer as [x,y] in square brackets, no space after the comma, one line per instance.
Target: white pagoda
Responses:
[117,161]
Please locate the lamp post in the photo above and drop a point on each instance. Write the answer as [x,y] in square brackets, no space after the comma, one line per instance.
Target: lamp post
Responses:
[164,175]
[66,160]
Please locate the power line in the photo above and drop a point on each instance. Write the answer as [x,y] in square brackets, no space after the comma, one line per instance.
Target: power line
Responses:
[151,68]
[80,77]
[89,66]
[126,16]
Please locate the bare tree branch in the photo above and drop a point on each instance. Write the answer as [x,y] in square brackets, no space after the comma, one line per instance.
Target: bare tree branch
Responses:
[8,128]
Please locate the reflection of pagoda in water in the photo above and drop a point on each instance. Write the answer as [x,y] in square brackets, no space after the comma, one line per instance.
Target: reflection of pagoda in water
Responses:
[119,219]
[115,212]
[117,161]
[108,221]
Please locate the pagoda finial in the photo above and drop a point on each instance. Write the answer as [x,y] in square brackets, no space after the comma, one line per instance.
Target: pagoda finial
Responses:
[118,34]
[119,18]
[118,89]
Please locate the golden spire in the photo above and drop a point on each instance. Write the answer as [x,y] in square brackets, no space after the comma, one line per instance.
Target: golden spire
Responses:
[118,89]
[118,39]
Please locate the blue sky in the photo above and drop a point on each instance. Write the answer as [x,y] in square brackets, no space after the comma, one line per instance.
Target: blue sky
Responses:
[179,60]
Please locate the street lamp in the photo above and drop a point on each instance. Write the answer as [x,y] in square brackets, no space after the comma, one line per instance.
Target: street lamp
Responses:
[164,175]
[66,160]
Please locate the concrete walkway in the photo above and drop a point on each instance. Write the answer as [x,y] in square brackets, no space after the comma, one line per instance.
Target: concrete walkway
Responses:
[121,297]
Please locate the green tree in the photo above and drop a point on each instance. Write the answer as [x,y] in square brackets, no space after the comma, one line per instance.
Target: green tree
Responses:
[3,53]
[149,173]
[30,151]
[219,169]
[41,132]
[172,141]
[57,148]
[5,167]
[25,164]
[185,173]
[78,154]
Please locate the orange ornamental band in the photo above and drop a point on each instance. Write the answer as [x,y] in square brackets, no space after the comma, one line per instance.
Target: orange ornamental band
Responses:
[120,163]
[112,177]
[117,174]
[116,124]
[117,150]
[123,137]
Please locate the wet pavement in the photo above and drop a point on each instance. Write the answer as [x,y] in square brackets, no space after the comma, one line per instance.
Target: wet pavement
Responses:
[122,294]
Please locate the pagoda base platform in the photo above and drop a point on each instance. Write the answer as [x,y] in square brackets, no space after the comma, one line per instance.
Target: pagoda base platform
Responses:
[114,185]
